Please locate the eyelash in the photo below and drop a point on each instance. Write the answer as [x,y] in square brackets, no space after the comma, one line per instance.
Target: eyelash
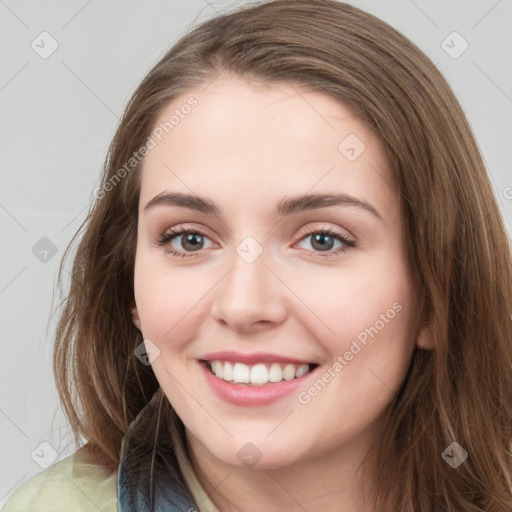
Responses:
[168,236]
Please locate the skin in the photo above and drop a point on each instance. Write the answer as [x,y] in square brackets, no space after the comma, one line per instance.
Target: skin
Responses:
[245,147]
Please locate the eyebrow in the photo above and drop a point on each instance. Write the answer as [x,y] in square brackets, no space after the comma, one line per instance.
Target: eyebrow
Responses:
[286,206]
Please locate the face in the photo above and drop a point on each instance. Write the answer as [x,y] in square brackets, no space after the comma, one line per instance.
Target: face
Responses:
[272,284]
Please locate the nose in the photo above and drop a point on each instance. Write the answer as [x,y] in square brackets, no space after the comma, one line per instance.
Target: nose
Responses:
[250,297]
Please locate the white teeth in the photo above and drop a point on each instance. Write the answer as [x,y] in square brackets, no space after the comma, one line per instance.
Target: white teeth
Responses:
[227,371]
[258,374]
[289,372]
[275,374]
[218,368]
[302,370]
[241,373]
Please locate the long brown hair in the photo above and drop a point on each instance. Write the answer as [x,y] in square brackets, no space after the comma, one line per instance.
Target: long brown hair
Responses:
[454,238]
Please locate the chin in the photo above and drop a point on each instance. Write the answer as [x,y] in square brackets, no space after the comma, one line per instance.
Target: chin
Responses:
[255,455]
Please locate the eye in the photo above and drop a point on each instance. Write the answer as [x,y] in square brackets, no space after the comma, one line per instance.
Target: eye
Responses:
[192,240]
[184,242]
[324,241]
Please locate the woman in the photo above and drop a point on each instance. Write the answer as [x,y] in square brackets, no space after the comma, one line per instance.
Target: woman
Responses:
[293,290]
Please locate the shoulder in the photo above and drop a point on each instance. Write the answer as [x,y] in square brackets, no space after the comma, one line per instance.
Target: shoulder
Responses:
[70,484]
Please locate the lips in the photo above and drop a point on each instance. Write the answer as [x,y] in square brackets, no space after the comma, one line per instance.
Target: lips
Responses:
[251,395]
[254,379]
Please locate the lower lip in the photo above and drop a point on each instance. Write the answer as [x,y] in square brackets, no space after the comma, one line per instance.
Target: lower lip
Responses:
[249,396]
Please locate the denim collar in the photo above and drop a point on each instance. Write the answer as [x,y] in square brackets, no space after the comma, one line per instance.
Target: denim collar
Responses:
[177,498]
[166,499]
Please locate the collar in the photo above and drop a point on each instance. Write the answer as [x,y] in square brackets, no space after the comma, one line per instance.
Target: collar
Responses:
[176,498]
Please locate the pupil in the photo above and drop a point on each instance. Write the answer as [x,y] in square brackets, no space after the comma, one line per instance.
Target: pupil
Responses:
[192,238]
[322,239]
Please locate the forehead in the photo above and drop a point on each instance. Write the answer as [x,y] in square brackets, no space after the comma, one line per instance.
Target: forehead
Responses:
[259,139]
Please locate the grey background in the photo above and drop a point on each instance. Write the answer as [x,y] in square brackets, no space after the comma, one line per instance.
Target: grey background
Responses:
[59,114]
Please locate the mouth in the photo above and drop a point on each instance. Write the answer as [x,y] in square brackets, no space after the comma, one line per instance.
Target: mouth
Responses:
[260,374]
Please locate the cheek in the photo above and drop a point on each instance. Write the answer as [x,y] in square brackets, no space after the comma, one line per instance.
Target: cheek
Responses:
[349,303]
[377,353]
[362,318]
[170,302]
[369,350]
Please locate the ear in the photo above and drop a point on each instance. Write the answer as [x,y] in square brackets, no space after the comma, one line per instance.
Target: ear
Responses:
[135,316]
[425,340]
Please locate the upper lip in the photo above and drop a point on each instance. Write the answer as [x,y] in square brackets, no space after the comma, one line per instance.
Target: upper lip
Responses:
[249,359]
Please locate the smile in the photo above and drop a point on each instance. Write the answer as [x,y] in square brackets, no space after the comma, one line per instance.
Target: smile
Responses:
[258,374]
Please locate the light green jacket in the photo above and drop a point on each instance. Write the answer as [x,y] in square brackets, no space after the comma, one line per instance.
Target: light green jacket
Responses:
[71,485]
